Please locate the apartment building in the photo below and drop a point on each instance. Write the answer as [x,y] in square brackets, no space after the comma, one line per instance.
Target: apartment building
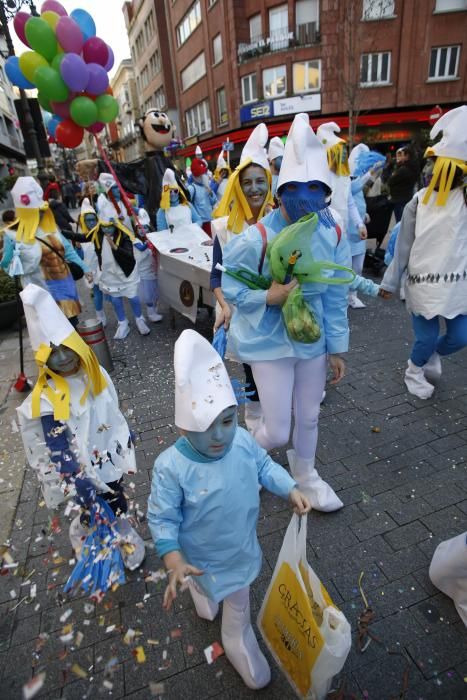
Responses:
[126,141]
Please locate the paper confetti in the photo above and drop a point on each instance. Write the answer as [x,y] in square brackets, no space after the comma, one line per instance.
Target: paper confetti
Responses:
[213,652]
[139,655]
[80,672]
[32,687]
[156,688]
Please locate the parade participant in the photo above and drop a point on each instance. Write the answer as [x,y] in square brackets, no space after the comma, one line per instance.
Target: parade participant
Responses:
[175,209]
[204,492]
[62,216]
[87,221]
[244,203]
[402,180]
[37,250]
[113,244]
[431,247]
[201,195]
[342,200]
[221,175]
[147,270]
[74,435]
[275,156]
[364,168]
[113,194]
[448,571]
[286,370]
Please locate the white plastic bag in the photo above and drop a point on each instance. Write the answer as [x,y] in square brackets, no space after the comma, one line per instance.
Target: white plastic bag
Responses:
[305,632]
[448,571]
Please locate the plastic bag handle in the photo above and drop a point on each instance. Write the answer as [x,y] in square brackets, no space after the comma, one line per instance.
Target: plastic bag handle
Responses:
[332,280]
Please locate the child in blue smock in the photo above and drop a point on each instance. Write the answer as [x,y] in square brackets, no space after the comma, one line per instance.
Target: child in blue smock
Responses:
[204,502]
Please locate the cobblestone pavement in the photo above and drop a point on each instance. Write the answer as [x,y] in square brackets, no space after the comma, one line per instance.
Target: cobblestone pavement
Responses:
[399,465]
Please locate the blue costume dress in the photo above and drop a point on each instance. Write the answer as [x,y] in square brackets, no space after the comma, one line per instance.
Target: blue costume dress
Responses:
[209,509]
[357,245]
[257,331]
[202,200]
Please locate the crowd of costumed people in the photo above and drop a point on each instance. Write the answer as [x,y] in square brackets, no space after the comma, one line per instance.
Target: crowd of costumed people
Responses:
[288,227]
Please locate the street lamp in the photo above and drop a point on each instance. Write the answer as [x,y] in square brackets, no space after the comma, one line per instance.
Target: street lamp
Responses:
[8,9]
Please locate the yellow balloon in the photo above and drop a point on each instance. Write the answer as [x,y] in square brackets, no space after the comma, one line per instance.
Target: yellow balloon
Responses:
[29,62]
[51,18]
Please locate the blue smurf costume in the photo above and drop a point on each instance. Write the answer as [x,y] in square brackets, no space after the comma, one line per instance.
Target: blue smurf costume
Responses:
[286,371]
[205,491]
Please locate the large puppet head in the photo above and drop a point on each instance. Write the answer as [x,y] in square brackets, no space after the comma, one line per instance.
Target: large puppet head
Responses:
[157,130]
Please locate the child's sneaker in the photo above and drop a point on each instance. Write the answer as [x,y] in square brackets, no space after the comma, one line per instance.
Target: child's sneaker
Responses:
[153,315]
[141,326]
[123,328]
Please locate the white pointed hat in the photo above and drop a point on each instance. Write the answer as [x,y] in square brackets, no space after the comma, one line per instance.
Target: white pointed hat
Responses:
[46,322]
[86,207]
[202,386]
[106,181]
[169,179]
[255,147]
[305,158]
[198,152]
[106,209]
[355,154]
[143,217]
[327,134]
[276,148]
[453,143]
[221,162]
[27,193]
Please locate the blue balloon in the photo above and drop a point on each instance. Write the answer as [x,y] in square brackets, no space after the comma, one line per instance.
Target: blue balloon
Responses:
[53,123]
[15,75]
[85,22]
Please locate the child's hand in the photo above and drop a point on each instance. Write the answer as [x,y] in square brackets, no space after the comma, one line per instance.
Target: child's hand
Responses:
[178,572]
[300,502]
[337,366]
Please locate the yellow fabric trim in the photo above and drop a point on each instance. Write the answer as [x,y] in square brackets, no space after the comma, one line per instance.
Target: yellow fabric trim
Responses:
[335,161]
[28,223]
[92,234]
[441,182]
[165,196]
[234,204]
[9,225]
[48,224]
[217,172]
[82,223]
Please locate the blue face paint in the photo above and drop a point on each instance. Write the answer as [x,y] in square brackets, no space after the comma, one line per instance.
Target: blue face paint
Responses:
[301,198]
[90,220]
[174,198]
[108,230]
[215,442]
[116,193]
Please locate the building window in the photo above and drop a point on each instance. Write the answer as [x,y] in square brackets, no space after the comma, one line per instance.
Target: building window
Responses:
[198,119]
[375,68]
[222,115]
[159,99]
[307,76]
[255,27]
[189,23]
[154,63]
[217,49]
[149,27]
[194,71]
[306,21]
[444,62]
[279,27]
[450,5]
[249,88]
[140,44]
[377,9]
[274,82]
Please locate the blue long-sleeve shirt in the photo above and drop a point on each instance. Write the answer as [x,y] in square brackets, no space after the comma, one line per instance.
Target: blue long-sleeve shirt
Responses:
[161,220]
[202,200]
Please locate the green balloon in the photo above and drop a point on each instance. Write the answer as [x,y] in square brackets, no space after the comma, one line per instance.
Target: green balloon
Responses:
[44,102]
[29,62]
[50,84]
[107,108]
[41,37]
[83,111]
[56,61]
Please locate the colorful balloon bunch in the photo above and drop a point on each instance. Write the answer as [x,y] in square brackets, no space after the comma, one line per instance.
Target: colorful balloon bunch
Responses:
[68,64]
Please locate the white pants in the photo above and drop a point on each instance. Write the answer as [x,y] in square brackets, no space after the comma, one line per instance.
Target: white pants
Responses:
[281,384]
[357,263]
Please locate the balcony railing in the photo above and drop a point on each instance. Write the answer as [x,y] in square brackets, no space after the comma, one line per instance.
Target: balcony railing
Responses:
[279,40]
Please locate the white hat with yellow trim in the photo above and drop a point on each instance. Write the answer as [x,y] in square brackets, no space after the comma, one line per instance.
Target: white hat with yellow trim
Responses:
[336,153]
[254,149]
[29,204]
[106,181]
[27,193]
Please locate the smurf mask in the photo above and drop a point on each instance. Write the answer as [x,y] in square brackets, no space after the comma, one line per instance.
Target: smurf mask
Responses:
[301,198]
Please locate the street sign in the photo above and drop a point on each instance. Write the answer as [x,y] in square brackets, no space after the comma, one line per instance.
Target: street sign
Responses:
[228,146]
[435,114]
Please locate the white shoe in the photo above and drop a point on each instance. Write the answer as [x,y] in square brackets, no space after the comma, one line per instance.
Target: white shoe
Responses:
[77,534]
[153,315]
[205,607]
[433,369]
[318,492]
[100,315]
[354,301]
[253,416]
[123,328]
[241,646]
[416,382]
[142,326]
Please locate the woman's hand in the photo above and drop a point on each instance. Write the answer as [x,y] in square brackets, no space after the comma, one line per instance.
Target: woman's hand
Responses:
[278,293]
[89,277]
[178,570]
[224,317]
[300,502]
[337,366]
[363,232]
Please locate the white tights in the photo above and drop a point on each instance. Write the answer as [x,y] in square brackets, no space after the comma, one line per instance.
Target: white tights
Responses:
[357,263]
[239,599]
[281,384]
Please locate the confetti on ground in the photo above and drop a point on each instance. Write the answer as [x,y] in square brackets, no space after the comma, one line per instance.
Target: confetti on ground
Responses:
[32,687]
[129,636]
[139,655]
[176,633]
[156,688]
[213,652]
[78,671]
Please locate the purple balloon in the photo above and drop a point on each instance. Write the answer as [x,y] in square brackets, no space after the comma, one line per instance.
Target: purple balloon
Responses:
[74,72]
[69,35]
[98,79]
[95,51]
[111,59]
[96,127]
[54,6]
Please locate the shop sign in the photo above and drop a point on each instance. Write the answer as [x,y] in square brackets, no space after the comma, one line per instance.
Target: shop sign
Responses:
[256,112]
[294,105]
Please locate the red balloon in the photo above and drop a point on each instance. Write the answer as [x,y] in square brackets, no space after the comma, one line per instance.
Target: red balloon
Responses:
[109,91]
[95,51]
[19,21]
[69,134]
[96,127]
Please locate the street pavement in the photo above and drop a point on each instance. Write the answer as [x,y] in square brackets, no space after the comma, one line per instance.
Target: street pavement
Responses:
[399,465]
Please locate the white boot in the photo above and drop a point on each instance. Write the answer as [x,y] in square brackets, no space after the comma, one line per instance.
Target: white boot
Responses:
[152,314]
[100,315]
[433,369]
[319,493]
[241,646]
[205,607]
[123,328]
[416,382]
[253,416]
[354,301]
[141,325]
[77,534]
